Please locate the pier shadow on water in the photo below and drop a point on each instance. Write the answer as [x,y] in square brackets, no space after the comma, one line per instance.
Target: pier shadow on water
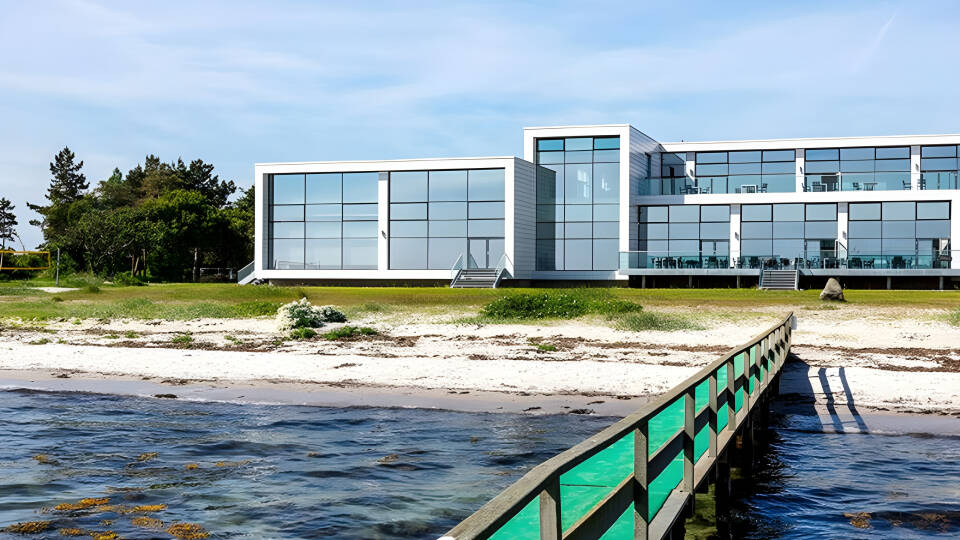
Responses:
[821,469]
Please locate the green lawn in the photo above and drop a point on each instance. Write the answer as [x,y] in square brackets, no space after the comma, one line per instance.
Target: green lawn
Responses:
[191,300]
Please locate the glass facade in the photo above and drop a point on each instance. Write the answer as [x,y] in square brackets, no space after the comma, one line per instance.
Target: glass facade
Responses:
[767,171]
[438,216]
[899,235]
[323,221]
[804,234]
[683,236]
[939,167]
[857,169]
[578,197]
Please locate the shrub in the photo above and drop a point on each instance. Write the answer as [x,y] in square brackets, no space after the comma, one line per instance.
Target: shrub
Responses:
[182,339]
[347,332]
[546,347]
[301,314]
[91,288]
[126,279]
[303,333]
[561,304]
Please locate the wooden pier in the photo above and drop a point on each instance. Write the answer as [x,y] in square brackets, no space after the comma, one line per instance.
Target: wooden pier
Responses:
[637,478]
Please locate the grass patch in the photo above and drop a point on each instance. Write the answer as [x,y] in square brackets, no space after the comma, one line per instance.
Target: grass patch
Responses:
[557,304]
[347,332]
[41,341]
[182,339]
[303,333]
[649,320]
[954,317]
[545,347]
[130,334]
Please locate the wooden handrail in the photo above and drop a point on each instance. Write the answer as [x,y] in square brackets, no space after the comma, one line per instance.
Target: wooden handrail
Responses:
[763,357]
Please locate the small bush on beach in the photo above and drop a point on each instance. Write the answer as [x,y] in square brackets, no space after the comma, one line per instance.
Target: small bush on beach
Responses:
[126,279]
[546,347]
[656,321]
[303,333]
[302,314]
[347,332]
[560,304]
[182,339]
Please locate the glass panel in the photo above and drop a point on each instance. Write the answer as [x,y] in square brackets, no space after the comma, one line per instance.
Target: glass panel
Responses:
[485,227]
[739,168]
[408,253]
[578,254]
[744,157]
[788,229]
[938,164]
[360,229]
[857,153]
[550,157]
[893,152]
[650,214]
[550,184]
[325,188]
[788,212]
[324,229]
[711,157]
[684,230]
[449,210]
[579,212]
[864,229]
[549,144]
[715,231]
[288,189]
[856,166]
[549,254]
[287,254]
[578,184]
[360,212]
[323,254]
[408,228]
[324,212]
[288,230]
[578,230]
[579,143]
[817,167]
[779,155]
[821,212]
[756,212]
[865,246]
[550,230]
[292,212]
[448,185]
[359,253]
[606,183]
[821,229]
[893,165]
[495,247]
[756,247]
[486,185]
[606,212]
[605,254]
[899,211]
[408,211]
[899,229]
[611,156]
[684,247]
[653,231]
[606,229]
[938,151]
[443,252]
[585,156]
[785,167]
[486,210]
[933,229]
[606,143]
[788,248]
[711,168]
[360,188]
[689,213]
[820,154]
[861,211]
[778,183]
[448,228]
[549,212]
[408,186]
[715,213]
[933,210]
[756,230]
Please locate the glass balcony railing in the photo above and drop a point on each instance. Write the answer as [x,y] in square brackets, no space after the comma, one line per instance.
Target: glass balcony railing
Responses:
[823,259]
[857,182]
[939,180]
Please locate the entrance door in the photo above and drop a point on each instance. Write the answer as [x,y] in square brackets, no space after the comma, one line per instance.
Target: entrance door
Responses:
[484,252]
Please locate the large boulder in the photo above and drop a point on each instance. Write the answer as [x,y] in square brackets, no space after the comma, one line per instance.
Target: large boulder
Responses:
[832,291]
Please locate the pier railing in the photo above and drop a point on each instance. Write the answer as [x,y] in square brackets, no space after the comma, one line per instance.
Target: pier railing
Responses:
[637,477]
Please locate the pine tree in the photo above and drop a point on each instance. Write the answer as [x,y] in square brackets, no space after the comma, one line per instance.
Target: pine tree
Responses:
[8,222]
[68,183]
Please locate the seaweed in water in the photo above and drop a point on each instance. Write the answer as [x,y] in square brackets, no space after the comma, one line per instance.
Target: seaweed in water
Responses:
[73,532]
[147,522]
[187,531]
[82,504]
[29,527]
[147,508]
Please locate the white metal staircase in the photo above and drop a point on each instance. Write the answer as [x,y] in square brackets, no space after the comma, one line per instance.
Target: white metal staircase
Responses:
[476,278]
[786,280]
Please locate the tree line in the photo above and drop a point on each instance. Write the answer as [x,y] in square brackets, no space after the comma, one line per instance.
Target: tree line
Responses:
[158,221]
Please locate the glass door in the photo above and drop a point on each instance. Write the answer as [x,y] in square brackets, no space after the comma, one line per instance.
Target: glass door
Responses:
[484,252]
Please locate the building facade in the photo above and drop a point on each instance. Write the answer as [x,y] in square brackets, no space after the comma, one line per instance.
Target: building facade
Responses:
[608,203]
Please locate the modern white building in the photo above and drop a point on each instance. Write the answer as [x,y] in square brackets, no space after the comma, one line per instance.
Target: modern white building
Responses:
[608,203]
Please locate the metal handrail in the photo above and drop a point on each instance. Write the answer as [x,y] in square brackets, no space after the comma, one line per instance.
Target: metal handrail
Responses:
[543,481]
[456,270]
[501,268]
[245,272]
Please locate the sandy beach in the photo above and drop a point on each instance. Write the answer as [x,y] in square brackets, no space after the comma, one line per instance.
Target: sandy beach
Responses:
[901,361]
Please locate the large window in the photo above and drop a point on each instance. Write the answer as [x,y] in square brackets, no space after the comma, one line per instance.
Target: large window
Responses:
[323,221]
[438,216]
[752,171]
[899,234]
[938,166]
[683,236]
[857,169]
[790,233]
[578,195]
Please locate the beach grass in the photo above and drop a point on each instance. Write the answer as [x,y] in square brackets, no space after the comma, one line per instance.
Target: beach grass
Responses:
[184,301]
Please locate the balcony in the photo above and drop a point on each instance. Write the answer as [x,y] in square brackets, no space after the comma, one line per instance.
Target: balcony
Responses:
[897,181]
[818,260]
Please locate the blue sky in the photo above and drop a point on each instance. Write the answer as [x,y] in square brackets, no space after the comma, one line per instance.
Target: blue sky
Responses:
[236,83]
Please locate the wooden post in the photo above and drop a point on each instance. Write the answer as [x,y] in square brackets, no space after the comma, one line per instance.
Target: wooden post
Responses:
[712,417]
[731,397]
[746,382]
[641,500]
[689,432]
[721,495]
[550,525]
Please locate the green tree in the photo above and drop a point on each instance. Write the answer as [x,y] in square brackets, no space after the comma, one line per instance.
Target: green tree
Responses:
[67,186]
[8,222]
